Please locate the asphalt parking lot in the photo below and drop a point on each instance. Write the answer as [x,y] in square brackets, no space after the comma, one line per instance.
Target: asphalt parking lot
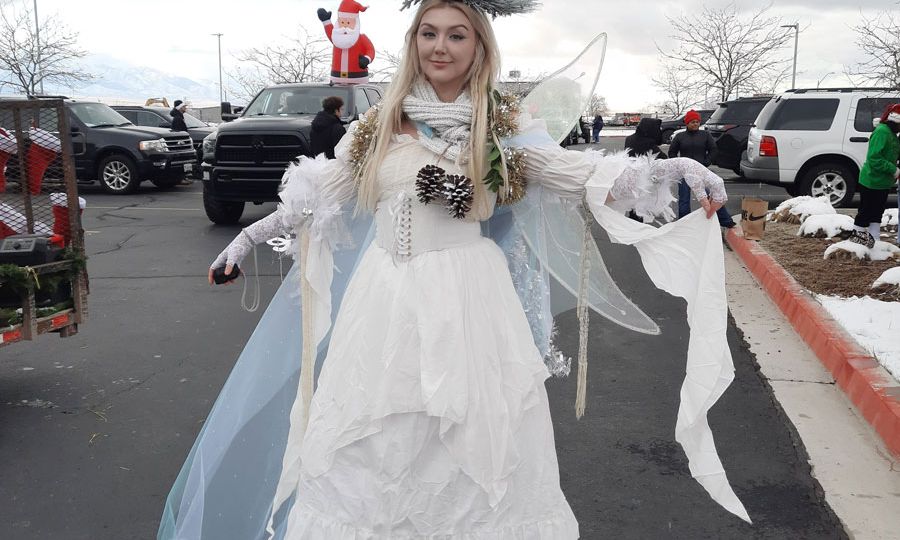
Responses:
[95,427]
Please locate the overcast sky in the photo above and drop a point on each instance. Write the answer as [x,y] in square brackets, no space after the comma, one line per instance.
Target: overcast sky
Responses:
[174,36]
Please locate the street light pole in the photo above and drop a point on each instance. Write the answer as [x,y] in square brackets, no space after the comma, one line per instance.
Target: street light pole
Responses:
[796,27]
[221,90]
[37,39]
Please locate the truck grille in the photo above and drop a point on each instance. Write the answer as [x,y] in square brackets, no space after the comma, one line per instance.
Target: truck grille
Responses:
[258,149]
[178,144]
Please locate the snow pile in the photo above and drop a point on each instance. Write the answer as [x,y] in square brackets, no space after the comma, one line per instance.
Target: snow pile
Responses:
[825,225]
[874,324]
[848,250]
[797,209]
[890,278]
[889,219]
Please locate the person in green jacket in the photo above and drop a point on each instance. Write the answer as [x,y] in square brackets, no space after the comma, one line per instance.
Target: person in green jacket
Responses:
[877,177]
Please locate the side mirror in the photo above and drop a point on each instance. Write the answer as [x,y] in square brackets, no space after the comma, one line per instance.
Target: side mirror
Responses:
[225,108]
[238,110]
[228,117]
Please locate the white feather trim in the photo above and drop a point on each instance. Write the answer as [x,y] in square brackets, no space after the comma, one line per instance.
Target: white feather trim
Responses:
[303,205]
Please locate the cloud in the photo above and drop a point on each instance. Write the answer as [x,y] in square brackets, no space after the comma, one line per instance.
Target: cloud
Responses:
[174,36]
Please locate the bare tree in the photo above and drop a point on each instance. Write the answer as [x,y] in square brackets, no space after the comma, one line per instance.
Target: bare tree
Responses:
[727,50]
[597,105]
[879,39]
[681,90]
[299,59]
[386,65]
[26,62]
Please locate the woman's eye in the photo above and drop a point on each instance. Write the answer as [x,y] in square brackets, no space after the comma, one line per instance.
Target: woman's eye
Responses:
[428,34]
[457,37]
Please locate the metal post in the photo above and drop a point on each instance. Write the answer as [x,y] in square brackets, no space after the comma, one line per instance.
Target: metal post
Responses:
[796,27]
[221,90]
[796,42]
[37,39]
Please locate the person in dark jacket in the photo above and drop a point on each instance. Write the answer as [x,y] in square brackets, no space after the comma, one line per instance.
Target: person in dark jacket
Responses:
[585,130]
[327,128]
[646,138]
[598,125]
[698,145]
[178,116]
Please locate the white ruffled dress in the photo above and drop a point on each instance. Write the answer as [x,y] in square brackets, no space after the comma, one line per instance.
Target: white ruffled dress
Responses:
[430,419]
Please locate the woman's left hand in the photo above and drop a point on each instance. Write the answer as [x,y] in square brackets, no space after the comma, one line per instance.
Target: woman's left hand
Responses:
[711,207]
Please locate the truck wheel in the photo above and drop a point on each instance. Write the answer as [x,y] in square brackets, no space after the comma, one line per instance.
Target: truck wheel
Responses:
[118,175]
[834,180]
[221,212]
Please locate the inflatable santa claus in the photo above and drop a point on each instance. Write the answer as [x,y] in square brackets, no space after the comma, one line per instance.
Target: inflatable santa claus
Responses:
[353,52]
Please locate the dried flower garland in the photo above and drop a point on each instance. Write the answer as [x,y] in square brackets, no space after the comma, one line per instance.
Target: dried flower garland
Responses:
[506,173]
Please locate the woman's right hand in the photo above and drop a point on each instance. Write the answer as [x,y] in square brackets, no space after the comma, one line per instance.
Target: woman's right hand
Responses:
[231,255]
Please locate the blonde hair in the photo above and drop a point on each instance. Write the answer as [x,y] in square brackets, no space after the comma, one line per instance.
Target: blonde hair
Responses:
[481,78]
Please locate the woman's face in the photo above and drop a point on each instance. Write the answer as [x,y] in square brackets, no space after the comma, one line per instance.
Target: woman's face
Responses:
[693,125]
[446,43]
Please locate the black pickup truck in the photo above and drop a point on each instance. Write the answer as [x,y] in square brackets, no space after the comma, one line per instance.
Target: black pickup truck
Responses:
[106,147]
[244,159]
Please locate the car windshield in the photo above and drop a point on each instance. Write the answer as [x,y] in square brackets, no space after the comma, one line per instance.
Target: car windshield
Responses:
[98,115]
[296,100]
[737,112]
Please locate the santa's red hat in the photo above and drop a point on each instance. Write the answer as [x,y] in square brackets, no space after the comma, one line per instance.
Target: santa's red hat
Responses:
[891,113]
[350,8]
[690,116]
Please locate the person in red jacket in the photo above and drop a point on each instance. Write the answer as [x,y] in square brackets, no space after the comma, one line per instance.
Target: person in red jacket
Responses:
[353,52]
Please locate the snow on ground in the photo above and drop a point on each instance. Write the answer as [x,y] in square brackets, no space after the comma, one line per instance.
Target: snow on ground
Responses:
[889,219]
[890,276]
[813,207]
[874,324]
[797,209]
[881,252]
[830,224]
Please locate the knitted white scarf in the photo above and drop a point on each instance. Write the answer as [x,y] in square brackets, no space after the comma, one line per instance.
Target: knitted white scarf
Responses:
[450,122]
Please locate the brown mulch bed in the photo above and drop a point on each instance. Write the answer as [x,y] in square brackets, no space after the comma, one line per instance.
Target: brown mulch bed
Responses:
[803,259]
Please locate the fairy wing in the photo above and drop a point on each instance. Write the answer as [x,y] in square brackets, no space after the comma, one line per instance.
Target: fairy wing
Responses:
[561,98]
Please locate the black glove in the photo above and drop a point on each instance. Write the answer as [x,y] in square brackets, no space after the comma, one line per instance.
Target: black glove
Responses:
[323,15]
[364,61]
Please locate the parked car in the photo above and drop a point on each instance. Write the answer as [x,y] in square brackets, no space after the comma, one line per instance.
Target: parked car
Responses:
[109,149]
[676,123]
[730,125]
[814,141]
[162,117]
[245,159]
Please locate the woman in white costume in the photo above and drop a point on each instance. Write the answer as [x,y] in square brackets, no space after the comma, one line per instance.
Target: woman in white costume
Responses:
[430,418]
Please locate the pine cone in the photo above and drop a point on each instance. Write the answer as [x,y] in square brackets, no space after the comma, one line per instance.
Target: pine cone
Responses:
[459,192]
[429,183]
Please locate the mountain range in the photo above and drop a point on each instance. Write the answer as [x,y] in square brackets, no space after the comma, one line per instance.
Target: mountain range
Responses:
[117,80]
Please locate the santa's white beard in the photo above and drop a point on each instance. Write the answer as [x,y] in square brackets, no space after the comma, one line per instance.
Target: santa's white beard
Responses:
[344,38]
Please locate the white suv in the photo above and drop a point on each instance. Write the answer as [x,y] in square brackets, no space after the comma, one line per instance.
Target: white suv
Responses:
[814,142]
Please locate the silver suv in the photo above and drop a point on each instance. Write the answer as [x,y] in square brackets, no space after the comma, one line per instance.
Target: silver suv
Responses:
[814,142]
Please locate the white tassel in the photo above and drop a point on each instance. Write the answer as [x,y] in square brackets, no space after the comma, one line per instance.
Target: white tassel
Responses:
[583,315]
[308,359]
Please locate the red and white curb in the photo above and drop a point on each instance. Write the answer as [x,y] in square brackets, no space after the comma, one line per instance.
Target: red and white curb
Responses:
[868,385]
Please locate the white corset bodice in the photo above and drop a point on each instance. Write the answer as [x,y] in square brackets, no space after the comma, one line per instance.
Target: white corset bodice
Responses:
[404,226]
